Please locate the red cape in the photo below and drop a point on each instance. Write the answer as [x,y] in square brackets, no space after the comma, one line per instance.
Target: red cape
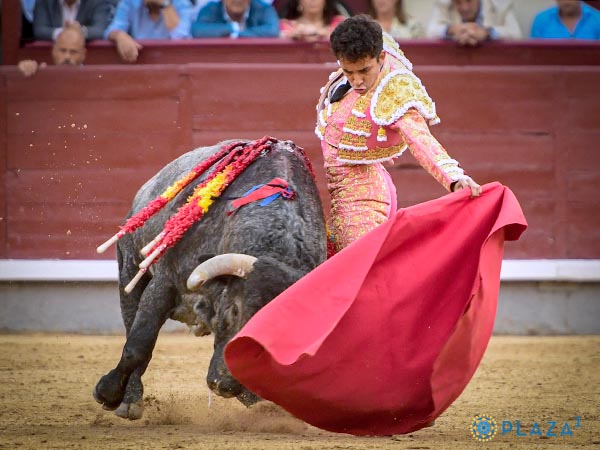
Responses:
[385,335]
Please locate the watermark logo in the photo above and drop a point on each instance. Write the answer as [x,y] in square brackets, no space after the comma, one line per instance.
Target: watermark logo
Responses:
[548,428]
[483,428]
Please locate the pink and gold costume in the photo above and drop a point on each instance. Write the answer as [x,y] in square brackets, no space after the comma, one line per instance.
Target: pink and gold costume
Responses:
[359,132]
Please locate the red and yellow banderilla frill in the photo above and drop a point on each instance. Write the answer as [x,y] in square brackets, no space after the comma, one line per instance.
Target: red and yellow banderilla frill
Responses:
[232,159]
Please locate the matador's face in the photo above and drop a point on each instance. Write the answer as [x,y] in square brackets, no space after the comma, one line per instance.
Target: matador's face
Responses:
[362,74]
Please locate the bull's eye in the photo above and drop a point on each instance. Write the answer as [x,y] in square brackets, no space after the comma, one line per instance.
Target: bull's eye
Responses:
[201,306]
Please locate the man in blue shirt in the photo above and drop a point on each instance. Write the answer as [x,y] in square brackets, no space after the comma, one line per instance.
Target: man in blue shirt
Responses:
[147,19]
[571,19]
[236,18]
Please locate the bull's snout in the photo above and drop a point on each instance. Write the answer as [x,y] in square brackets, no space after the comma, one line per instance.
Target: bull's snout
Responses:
[246,397]
[220,388]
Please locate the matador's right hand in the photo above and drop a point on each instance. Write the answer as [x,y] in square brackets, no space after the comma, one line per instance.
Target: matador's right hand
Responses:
[468,182]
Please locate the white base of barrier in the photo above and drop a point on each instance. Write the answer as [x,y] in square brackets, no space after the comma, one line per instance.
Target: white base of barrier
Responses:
[536,297]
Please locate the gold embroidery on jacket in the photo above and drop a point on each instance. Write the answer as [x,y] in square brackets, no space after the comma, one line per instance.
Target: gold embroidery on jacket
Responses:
[399,93]
[353,141]
[372,154]
[355,125]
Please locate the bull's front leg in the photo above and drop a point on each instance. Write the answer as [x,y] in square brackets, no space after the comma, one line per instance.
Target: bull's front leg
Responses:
[113,390]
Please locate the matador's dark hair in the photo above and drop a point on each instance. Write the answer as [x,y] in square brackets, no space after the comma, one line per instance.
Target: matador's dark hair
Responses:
[356,38]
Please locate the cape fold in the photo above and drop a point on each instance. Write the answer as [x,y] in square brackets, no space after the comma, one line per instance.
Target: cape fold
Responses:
[385,335]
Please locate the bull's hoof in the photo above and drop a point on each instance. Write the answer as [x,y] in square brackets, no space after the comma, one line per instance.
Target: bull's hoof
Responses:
[131,411]
[106,406]
[248,398]
[109,391]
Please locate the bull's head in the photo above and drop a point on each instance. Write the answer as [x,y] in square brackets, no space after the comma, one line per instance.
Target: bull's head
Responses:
[232,301]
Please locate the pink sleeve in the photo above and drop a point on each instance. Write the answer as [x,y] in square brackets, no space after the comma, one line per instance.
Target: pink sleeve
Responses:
[427,150]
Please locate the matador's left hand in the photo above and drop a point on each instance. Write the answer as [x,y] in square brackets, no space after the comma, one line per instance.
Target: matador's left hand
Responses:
[468,183]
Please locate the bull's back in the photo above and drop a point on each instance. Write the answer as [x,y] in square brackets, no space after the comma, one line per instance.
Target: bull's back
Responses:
[292,231]
[289,230]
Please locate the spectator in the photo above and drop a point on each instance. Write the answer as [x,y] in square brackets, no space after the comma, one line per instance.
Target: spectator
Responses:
[68,49]
[470,22]
[393,19]
[27,19]
[571,19]
[310,20]
[197,5]
[147,19]
[49,16]
[236,18]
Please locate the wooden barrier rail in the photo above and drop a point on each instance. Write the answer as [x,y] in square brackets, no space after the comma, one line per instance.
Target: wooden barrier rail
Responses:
[420,52]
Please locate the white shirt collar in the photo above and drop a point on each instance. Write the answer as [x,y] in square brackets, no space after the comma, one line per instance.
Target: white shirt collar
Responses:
[70,12]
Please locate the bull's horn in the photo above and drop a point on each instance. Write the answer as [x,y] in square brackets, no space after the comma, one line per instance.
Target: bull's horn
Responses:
[228,264]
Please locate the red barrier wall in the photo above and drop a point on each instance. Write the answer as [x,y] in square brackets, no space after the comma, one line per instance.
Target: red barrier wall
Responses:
[77,143]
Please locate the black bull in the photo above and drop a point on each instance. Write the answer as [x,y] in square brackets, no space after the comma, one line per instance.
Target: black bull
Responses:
[285,240]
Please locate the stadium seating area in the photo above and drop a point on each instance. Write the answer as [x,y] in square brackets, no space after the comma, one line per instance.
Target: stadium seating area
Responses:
[101,52]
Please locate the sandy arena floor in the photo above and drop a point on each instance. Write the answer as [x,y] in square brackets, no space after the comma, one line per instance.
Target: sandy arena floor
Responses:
[46,400]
